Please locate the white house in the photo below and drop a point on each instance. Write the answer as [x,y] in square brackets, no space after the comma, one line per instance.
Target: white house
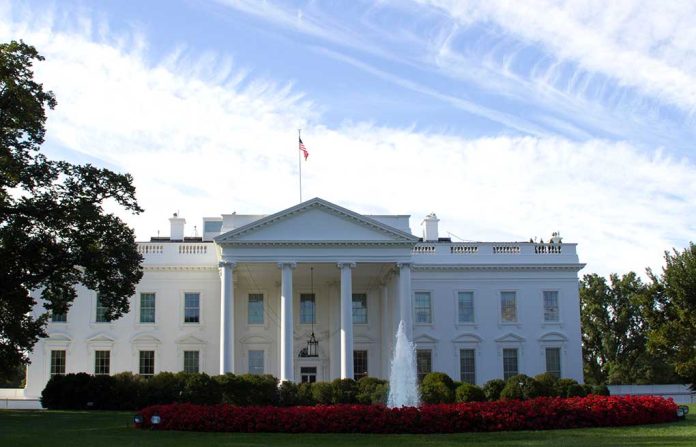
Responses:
[247,296]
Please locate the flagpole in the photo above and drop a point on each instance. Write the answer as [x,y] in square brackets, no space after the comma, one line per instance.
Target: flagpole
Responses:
[299,160]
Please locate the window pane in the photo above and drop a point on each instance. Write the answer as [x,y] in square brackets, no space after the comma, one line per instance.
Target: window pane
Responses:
[192,310]
[422,307]
[308,308]
[359,364]
[147,363]
[359,308]
[466,307]
[57,363]
[255,308]
[100,317]
[508,306]
[256,362]
[147,307]
[551,305]
[58,318]
[509,363]
[467,366]
[191,361]
[308,374]
[102,362]
[553,361]
[424,362]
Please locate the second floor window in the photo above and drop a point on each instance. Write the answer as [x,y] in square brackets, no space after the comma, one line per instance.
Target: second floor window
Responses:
[147,307]
[359,308]
[465,304]
[59,318]
[508,307]
[551,305]
[192,307]
[255,308]
[100,316]
[307,308]
[423,309]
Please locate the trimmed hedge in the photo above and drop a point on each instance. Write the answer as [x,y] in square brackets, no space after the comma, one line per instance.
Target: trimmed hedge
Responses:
[542,413]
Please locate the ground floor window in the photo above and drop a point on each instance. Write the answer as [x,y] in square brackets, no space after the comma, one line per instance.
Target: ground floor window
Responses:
[57,363]
[308,374]
[467,366]
[256,365]
[424,362]
[147,363]
[510,367]
[553,361]
[191,361]
[102,362]
[359,364]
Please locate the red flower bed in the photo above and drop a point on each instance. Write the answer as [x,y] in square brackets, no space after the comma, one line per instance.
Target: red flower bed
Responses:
[543,413]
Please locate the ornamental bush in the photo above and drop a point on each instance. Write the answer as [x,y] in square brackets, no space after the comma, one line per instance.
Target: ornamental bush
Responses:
[547,383]
[563,386]
[493,388]
[467,392]
[437,388]
[344,391]
[521,387]
[542,413]
[372,391]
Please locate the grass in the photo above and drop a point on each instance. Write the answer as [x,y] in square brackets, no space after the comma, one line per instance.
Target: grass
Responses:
[105,429]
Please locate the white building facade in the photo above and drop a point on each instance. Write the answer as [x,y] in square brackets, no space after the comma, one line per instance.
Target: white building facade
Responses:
[248,295]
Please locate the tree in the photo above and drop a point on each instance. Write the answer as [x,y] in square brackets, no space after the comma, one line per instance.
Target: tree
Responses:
[54,231]
[615,331]
[673,315]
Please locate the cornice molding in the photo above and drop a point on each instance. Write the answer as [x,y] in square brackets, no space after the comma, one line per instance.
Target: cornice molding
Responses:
[327,244]
[498,267]
[180,268]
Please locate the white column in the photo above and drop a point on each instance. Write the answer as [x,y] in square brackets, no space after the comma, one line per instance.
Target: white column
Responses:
[385,331]
[346,319]
[287,372]
[405,304]
[227,318]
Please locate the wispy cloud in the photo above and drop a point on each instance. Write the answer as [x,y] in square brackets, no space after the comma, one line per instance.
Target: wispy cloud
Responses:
[206,141]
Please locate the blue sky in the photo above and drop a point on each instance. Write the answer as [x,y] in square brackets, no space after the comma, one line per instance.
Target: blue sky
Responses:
[508,119]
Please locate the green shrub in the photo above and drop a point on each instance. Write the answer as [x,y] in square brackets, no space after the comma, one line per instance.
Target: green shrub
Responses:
[467,392]
[288,394]
[259,389]
[162,388]
[372,391]
[587,389]
[493,388]
[199,388]
[600,390]
[563,385]
[66,392]
[521,387]
[576,390]
[437,388]
[322,393]
[304,394]
[129,388]
[548,383]
[344,391]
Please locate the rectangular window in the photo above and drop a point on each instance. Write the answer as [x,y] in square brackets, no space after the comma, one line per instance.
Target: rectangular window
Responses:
[422,308]
[308,374]
[256,362]
[102,362]
[359,364]
[191,361]
[59,318]
[100,316]
[465,302]
[57,363]
[553,361]
[551,305]
[147,307]
[359,308]
[308,308]
[192,307]
[424,363]
[467,366]
[508,307]
[147,363]
[509,363]
[255,308]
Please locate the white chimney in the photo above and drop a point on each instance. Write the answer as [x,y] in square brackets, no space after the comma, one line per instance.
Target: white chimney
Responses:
[429,225]
[177,228]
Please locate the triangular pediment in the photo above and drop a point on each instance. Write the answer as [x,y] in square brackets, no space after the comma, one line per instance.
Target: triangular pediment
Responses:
[189,340]
[468,337]
[145,339]
[425,339]
[100,338]
[316,221]
[510,337]
[553,337]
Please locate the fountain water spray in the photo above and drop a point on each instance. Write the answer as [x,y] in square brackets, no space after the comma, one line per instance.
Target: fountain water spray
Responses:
[403,380]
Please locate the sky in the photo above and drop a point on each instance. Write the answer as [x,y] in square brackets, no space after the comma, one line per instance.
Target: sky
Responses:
[510,120]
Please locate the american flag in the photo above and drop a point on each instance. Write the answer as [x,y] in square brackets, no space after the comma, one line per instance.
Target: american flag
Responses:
[303,149]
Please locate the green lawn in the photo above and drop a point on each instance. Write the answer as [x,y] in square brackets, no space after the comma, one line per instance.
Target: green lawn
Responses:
[105,429]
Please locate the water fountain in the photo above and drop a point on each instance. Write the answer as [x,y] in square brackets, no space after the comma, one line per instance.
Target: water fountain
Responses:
[403,380]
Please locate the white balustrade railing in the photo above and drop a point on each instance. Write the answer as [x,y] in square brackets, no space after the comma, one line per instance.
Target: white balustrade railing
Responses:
[424,249]
[193,249]
[464,249]
[547,249]
[150,249]
[507,249]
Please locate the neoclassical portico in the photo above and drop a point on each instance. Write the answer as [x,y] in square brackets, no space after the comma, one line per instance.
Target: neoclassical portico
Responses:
[316,233]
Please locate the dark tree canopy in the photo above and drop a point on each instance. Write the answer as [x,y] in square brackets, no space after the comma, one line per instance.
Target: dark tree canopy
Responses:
[615,326]
[54,231]
[673,315]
